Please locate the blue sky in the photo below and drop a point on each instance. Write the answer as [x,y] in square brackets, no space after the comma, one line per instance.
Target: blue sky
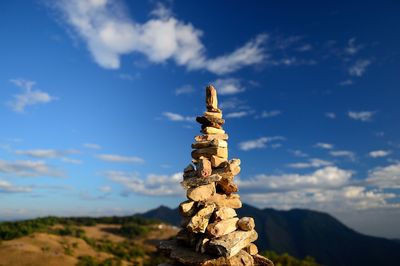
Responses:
[98,100]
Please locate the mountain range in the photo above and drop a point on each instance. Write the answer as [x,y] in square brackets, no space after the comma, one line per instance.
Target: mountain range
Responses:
[301,232]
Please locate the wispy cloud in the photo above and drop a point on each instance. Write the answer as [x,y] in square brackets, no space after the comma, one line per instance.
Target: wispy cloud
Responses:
[27,168]
[359,67]
[229,86]
[185,89]
[346,82]
[71,160]
[29,96]
[379,153]
[7,187]
[343,153]
[46,153]
[363,116]
[239,114]
[311,163]
[268,114]
[298,153]
[153,185]
[324,145]
[177,117]
[352,48]
[233,103]
[93,146]
[105,189]
[115,158]
[330,115]
[258,143]
[110,33]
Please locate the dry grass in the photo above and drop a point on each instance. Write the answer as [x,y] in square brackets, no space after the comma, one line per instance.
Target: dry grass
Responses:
[54,250]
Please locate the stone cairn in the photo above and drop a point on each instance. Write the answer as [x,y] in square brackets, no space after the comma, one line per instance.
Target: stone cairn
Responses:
[211,233]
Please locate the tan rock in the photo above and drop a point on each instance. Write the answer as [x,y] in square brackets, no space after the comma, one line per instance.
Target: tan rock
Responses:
[227,185]
[203,167]
[211,137]
[217,161]
[211,98]
[201,193]
[208,152]
[229,170]
[222,200]
[224,213]
[251,249]
[246,223]
[221,228]
[210,143]
[188,208]
[197,181]
[229,245]
[212,130]
[213,114]
[199,222]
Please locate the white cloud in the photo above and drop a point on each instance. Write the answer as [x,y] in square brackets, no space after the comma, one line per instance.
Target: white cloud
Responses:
[29,96]
[323,145]
[239,114]
[327,177]
[268,114]
[228,86]
[363,116]
[28,168]
[109,33]
[46,153]
[186,89]
[7,187]
[312,163]
[115,158]
[342,153]
[346,198]
[92,146]
[385,177]
[178,117]
[258,143]
[152,185]
[329,188]
[359,67]
[330,115]
[379,153]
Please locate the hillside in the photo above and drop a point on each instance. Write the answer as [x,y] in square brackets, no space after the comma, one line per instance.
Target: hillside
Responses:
[84,241]
[305,232]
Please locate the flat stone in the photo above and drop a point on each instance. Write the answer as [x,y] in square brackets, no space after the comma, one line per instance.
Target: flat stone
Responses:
[229,245]
[189,257]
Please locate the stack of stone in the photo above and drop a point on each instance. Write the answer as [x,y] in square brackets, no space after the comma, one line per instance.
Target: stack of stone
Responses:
[212,234]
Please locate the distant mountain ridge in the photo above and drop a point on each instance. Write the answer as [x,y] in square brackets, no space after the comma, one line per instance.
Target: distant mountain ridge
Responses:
[304,232]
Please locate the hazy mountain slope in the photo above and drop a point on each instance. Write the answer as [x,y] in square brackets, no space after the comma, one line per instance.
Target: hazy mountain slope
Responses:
[306,232]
